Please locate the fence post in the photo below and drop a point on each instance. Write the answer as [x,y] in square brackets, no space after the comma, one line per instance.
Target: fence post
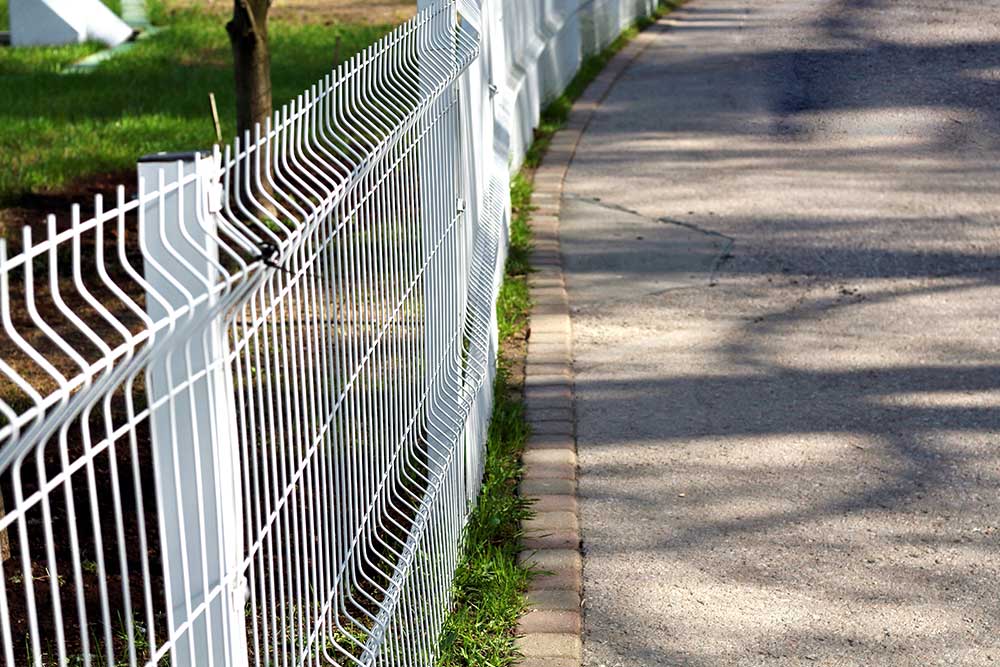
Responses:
[438,203]
[192,418]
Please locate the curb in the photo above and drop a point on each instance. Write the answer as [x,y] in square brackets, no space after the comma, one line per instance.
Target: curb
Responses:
[550,632]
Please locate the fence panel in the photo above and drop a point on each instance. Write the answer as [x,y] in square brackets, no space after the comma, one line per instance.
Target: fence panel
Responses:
[243,412]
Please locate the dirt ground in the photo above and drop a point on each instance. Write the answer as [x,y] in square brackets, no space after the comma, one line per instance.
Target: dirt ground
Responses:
[320,11]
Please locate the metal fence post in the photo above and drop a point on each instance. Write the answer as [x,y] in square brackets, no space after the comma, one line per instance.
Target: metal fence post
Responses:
[439,201]
[193,415]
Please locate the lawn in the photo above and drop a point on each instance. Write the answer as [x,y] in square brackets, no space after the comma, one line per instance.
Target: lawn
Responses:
[59,132]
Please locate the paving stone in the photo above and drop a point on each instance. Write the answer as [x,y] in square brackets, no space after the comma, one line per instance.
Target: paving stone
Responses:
[551,303]
[537,282]
[543,196]
[549,662]
[550,272]
[549,357]
[547,272]
[552,306]
[560,308]
[533,394]
[550,457]
[549,621]
[541,415]
[548,319]
[549,344]
[554,328]
[564,503]
[551,403]
[549,337]
[566,136]
[554,441]
[552,560]
[560,380]
[529,488]
[562,370]
[551,522]
[553,599]
[559,580]
[540,219]
[562,148]
[562,155]
[547,240]
[550,322]
[553,540]
[546,377]
[549,291]
[548,174]
[549,354]
[561,428]
[549,245]
[550,645]
[546,235]
[546,232]
[550,177]
[549,471]
[545,257]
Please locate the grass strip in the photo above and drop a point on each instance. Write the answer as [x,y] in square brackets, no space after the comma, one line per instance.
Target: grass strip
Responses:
[490,584]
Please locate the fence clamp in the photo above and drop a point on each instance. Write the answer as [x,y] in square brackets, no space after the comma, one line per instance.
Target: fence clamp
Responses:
[494,89]
[460,205]
[215,198]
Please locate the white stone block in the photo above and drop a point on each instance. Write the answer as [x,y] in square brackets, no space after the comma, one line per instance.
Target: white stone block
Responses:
[54,22]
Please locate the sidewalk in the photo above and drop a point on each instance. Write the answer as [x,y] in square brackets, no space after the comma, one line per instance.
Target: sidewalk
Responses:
[780,240]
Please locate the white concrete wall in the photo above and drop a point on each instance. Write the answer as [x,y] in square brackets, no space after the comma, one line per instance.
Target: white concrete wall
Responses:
[54,22]
[547,40]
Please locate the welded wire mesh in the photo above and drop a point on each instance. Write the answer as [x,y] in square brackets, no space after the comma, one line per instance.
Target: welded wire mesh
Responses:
[242,413]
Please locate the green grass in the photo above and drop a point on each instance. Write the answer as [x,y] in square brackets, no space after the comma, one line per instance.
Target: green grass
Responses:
[57,129]
[489,583]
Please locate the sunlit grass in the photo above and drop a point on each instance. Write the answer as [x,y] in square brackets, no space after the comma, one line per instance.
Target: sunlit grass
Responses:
[57,129]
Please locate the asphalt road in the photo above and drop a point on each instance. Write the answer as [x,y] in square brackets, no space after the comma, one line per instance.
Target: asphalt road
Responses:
[781,236]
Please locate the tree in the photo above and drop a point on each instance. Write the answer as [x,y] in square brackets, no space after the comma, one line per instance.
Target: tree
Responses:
[252,59]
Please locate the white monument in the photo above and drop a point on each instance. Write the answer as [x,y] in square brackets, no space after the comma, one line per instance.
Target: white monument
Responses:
[53,22]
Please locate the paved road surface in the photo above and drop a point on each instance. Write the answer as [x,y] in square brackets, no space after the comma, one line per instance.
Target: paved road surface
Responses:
[781,234]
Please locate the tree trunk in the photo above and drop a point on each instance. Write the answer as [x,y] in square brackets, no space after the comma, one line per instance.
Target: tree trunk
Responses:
[252,58]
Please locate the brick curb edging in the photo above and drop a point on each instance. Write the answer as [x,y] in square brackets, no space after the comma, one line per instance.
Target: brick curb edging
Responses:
[550,633]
